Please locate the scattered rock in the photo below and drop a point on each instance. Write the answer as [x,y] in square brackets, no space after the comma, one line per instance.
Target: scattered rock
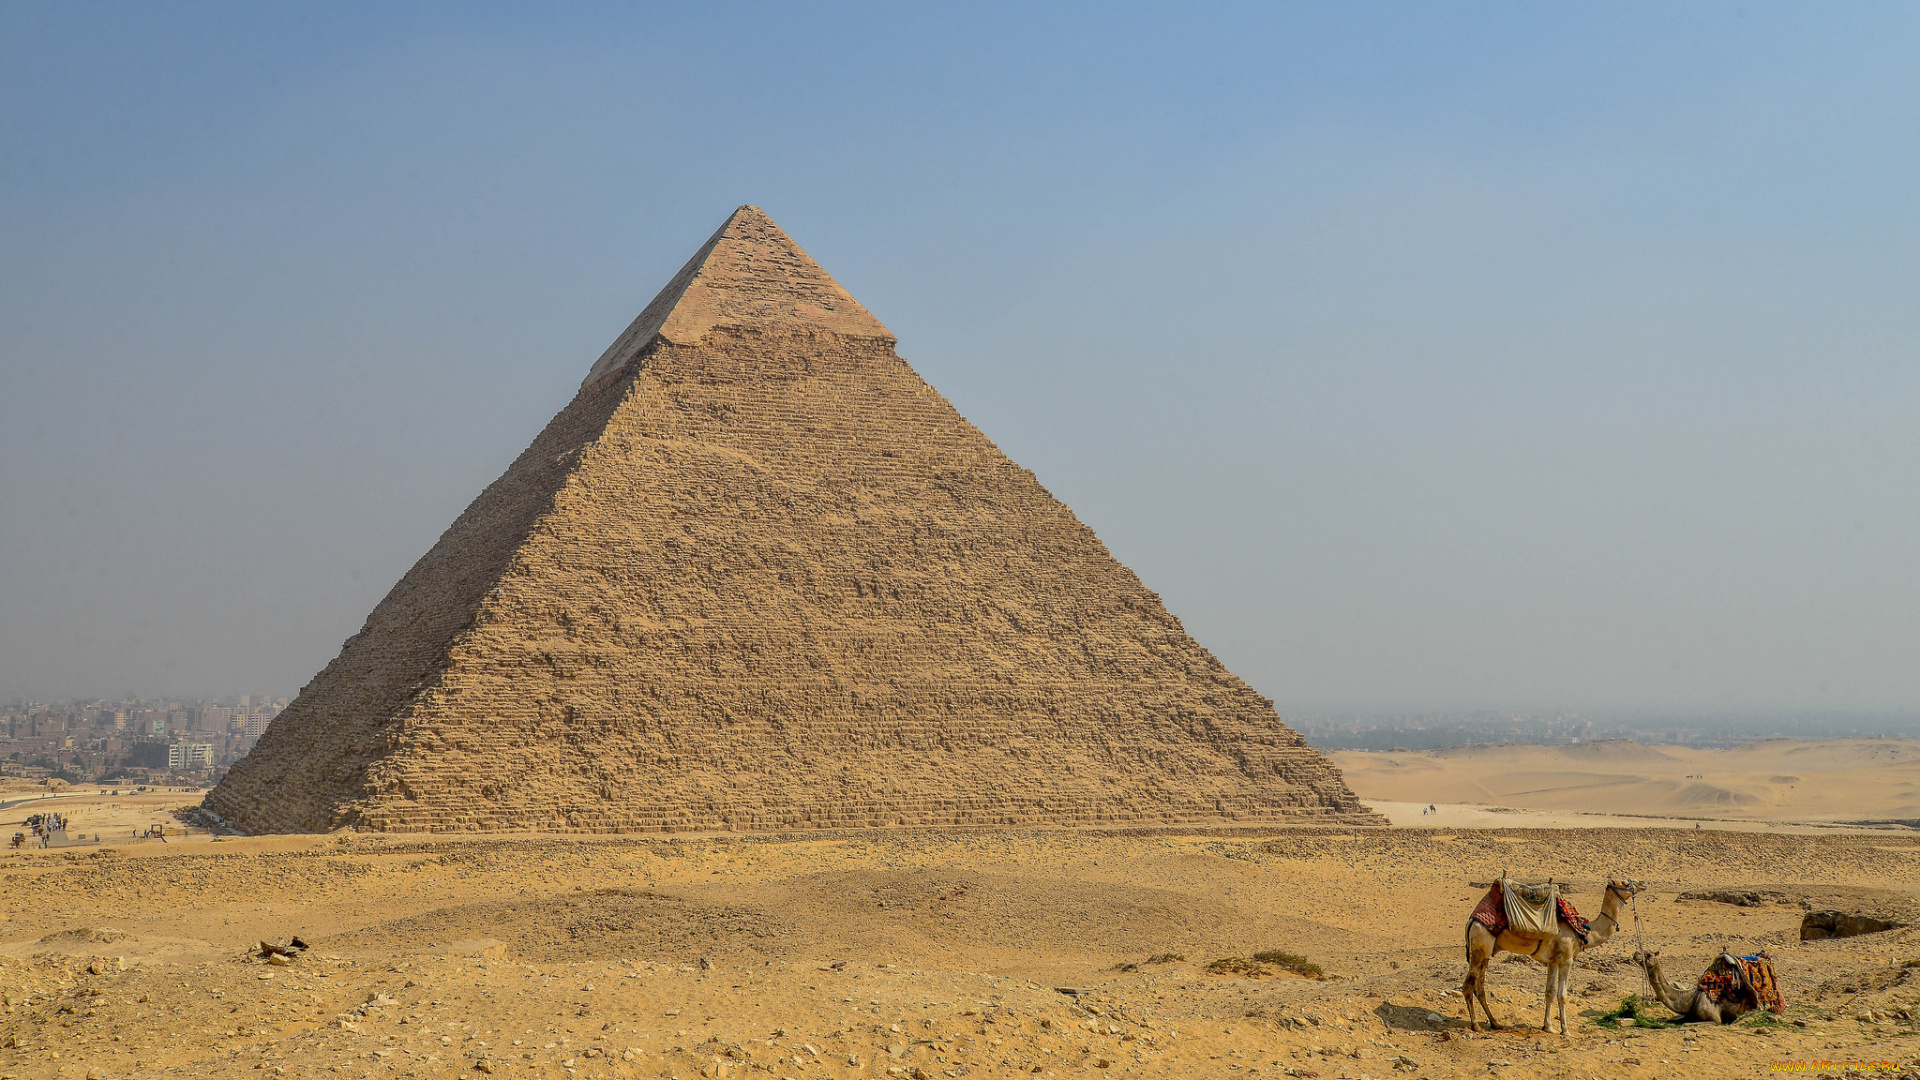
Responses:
[1737,897]
[1821,925]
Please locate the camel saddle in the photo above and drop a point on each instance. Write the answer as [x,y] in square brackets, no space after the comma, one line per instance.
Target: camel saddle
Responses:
[1527,910]
[1744,977]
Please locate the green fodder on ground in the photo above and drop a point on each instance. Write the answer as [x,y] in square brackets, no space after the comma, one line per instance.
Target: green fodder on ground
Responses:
[1640,1011]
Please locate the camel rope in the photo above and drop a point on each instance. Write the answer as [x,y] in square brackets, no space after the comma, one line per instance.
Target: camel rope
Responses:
[1639,943]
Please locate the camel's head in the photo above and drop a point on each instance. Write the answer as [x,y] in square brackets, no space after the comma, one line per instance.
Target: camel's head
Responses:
[1645,957]
[1624,889]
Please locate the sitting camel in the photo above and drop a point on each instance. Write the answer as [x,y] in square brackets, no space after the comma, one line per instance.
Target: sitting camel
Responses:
[1696,1005]
[1556,952]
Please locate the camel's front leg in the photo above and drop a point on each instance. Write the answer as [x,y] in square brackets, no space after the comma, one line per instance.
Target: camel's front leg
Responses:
[1560,994]
[1553,980]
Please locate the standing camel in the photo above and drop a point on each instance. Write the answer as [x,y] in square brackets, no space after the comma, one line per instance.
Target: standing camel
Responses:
[1696,1004]
[1556,952]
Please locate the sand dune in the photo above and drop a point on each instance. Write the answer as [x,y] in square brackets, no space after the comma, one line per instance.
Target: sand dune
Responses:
[1778,780]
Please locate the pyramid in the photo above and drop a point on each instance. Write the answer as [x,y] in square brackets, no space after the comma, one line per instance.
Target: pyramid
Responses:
[759,575]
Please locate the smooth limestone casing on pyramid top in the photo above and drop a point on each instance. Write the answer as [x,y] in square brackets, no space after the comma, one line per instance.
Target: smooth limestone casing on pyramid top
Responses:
[759,575]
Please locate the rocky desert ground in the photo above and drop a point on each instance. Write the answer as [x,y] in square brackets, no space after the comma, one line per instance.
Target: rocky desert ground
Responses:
[926,953]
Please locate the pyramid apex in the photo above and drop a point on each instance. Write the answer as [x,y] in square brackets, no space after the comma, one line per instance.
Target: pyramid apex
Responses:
[749,274]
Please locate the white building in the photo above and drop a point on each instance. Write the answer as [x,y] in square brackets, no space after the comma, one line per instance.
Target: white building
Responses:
[182,756]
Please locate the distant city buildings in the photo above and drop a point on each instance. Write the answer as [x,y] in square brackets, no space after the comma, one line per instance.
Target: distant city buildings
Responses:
[132,740]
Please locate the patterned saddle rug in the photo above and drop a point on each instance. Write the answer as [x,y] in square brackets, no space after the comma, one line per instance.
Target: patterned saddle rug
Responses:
[1523,908]
[1748,978]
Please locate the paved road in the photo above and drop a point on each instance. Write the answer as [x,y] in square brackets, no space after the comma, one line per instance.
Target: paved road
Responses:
[49,798]
[37,799]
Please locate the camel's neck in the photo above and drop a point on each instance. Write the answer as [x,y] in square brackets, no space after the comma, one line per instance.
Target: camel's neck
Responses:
[1601,929]
[1668,995]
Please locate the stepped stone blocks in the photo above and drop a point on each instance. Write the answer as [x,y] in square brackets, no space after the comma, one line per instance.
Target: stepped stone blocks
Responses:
[759,575]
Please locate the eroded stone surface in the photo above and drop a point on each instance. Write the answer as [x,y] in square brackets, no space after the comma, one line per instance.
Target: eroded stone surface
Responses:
[760,575]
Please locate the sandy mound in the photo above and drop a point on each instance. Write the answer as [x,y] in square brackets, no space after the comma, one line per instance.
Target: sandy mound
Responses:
[609,922]
[90,935]
[882,916]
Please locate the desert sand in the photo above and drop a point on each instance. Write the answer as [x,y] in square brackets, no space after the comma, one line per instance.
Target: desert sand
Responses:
[916,953]
[1781,780]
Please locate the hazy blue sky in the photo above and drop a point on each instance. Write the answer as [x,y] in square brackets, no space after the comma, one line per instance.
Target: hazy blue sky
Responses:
[1420,355]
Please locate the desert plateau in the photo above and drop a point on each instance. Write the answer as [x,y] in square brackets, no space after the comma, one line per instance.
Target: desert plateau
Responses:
[932,952]
[1777,781]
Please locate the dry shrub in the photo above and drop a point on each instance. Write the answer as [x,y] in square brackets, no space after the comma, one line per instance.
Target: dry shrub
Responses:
[1262,965]
[1237,965]
[1293,962]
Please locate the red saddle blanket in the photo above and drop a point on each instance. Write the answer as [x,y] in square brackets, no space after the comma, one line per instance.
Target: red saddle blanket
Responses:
[1492,914]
